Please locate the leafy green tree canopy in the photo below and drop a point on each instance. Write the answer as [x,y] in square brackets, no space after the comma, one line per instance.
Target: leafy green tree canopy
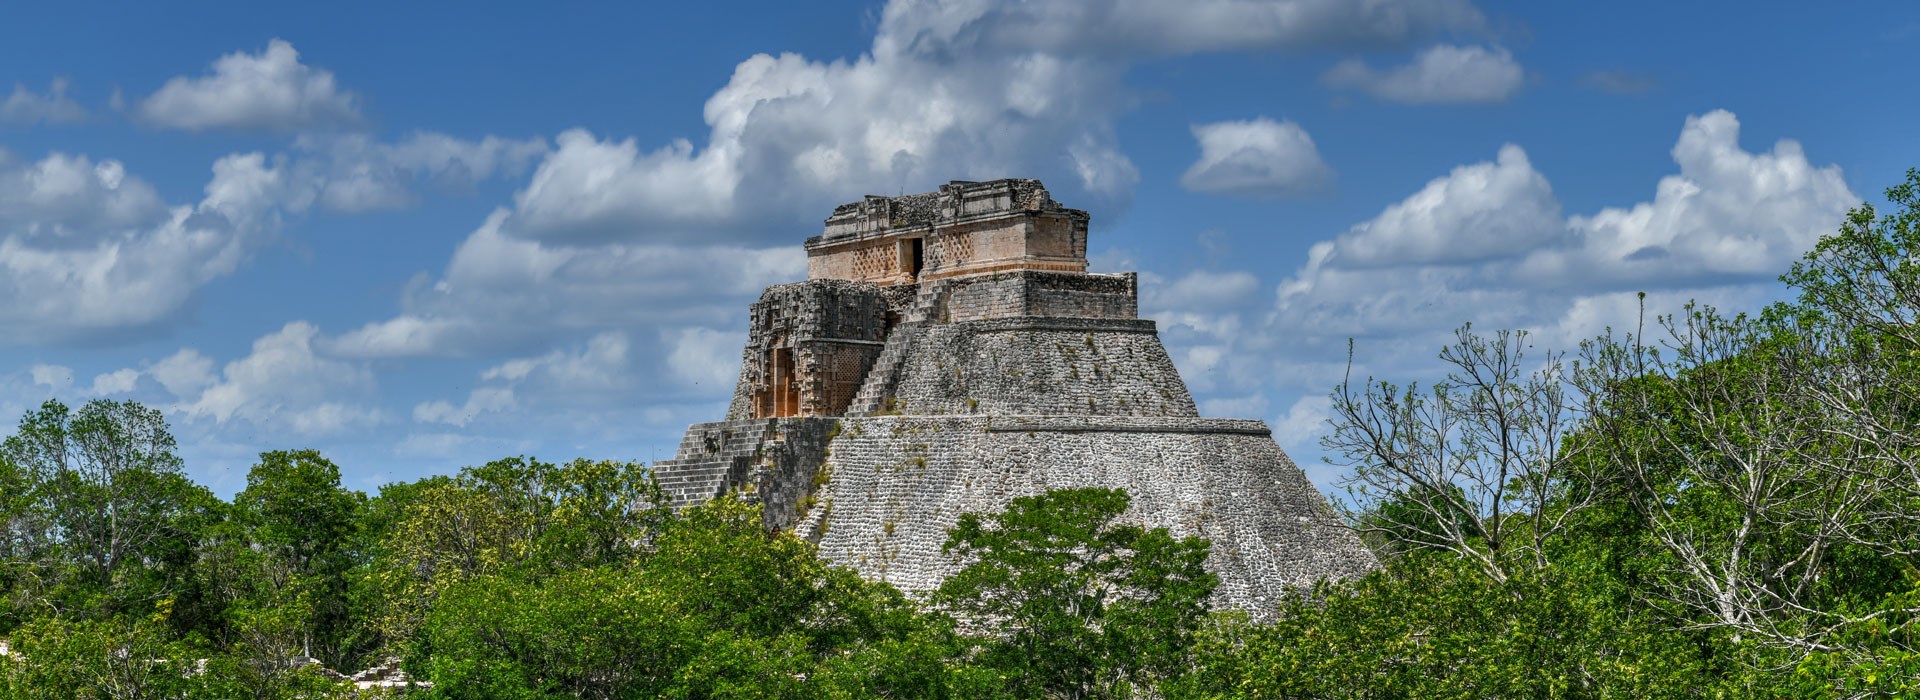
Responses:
[1085,606]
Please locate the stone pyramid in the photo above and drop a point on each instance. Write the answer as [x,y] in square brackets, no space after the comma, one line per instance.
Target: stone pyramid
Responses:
[950,352]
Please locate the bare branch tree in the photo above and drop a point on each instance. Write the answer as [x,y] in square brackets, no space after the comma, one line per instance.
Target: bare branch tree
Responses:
[1468,466]
[1753,449]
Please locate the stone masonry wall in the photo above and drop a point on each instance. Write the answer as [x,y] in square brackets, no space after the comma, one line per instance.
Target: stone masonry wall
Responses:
[898,483]
[1032,293]
[1033,366]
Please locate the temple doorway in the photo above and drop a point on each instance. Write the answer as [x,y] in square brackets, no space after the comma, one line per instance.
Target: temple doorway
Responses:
[784,392]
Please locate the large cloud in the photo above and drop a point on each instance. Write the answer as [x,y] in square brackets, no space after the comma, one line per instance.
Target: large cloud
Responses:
[87,249]
[1488,243]
[73,198]
[949,89]
[1487,238]
[1256,158]
[1441,73]
[611,234]
[1728,214]
[1479,211]
[284,384]
[271,90]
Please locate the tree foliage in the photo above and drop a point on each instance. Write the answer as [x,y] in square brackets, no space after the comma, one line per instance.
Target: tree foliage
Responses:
[1088,606]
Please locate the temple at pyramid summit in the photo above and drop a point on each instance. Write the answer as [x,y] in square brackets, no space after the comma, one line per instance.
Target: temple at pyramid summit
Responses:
[949,352]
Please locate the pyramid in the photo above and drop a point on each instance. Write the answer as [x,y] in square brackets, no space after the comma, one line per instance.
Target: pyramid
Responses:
[950,352]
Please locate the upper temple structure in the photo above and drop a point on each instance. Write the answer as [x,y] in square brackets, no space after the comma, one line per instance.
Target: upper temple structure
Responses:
[949,352]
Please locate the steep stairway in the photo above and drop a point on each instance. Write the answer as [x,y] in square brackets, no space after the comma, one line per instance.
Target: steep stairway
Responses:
[712,459]
[927,306]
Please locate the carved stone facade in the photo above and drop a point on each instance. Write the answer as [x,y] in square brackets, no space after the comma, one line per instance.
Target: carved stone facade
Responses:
[949,353]
[965,228]
[809,348]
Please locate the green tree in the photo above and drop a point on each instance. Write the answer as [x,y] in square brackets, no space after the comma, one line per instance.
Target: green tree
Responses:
[1085,606]
[515,515]
[717,607]
[94,660]
[122,659]
[110,519]
[299,527]
[1434,626]
[1471,464]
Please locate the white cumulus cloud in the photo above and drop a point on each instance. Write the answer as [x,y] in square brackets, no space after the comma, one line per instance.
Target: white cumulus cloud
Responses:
[1479,211]
[1486,243]
[116,382]
[87,250]
[184,374]
[1728,213]
[283,383]
[73,197]
[271,91]
[949,89]
[1256,158]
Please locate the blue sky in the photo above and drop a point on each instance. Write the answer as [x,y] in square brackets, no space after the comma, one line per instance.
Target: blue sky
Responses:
[421,236]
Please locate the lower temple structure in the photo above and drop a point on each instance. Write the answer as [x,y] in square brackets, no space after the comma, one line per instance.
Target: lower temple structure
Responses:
[950,353]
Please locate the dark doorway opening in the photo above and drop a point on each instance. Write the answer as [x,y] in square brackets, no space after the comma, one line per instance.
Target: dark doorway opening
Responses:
[919,256]
[780,396]
[786,391]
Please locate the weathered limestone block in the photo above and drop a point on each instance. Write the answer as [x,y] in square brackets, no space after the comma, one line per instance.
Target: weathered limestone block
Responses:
[1036,293]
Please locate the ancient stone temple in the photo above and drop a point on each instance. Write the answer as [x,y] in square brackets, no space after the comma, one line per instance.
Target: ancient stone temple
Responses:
[949,352]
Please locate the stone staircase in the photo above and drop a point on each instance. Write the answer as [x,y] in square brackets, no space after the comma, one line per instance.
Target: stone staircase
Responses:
[927,306]
[712,458]
[886,369]
[928,303]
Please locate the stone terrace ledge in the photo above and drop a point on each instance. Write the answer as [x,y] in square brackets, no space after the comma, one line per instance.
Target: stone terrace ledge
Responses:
[1056,323]
[1124,424]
